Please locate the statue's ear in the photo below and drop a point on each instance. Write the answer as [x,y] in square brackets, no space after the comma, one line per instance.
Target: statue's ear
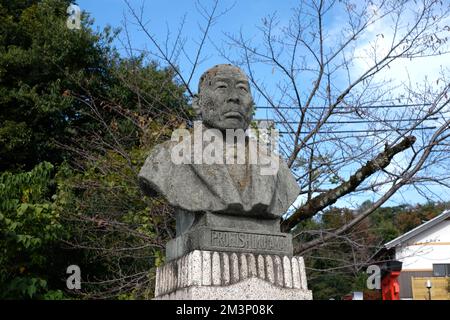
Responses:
[196,105]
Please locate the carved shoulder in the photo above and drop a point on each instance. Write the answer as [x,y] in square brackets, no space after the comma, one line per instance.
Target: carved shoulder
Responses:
[154,174]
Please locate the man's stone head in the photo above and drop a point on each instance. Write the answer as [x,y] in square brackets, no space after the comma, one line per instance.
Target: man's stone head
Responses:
[224,100]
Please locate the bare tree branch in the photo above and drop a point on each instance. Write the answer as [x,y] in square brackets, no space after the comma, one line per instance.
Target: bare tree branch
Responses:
[328,198]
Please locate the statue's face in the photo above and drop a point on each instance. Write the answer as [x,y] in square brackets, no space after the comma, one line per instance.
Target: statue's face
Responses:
[225,101]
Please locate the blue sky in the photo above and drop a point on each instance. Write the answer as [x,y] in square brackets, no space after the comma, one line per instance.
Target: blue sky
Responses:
[166,15]
[243,15]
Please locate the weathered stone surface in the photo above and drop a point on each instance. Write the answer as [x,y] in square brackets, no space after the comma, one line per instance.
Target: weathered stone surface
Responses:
[224,102]
[209,219]
[211,187]
[287,272]
[228,244]
[249,289]
[229,240]
[213,275]
[211,268]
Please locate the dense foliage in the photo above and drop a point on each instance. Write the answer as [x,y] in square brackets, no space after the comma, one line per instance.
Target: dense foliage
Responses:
[76,123]
[31,231]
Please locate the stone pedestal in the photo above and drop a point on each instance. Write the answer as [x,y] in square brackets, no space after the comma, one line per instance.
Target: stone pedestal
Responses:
[212,275]
[229,240]
[220,232]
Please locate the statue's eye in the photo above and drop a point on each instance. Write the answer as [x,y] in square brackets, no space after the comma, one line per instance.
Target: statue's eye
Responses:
[221,86]
[243,88]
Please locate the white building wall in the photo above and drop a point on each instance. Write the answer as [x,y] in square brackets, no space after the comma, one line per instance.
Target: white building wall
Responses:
[429,247]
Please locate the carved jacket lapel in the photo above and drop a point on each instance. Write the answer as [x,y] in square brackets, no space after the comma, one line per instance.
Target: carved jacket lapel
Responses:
[218,181]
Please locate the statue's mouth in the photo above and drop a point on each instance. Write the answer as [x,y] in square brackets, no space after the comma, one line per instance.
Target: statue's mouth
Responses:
[233,115]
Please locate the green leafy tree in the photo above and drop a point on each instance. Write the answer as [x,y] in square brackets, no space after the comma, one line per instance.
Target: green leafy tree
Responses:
[41,63]
[31,230]
[76,123]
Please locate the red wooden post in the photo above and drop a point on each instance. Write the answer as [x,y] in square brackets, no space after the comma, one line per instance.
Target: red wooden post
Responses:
[390,288]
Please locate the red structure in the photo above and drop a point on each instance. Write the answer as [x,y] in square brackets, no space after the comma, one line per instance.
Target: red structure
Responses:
[390,288]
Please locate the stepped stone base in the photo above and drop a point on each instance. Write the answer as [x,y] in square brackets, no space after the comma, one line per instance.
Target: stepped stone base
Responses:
[250,289]
[212,275]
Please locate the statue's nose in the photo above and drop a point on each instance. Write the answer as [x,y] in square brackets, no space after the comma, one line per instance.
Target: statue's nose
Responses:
[234,98]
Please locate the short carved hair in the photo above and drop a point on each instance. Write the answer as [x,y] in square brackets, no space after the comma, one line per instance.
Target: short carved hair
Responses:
[205,79]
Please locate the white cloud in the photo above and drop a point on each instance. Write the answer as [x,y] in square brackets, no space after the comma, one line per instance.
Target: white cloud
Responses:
[376,43]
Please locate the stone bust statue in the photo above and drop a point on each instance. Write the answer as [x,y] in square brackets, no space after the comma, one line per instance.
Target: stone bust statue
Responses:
[230,195]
